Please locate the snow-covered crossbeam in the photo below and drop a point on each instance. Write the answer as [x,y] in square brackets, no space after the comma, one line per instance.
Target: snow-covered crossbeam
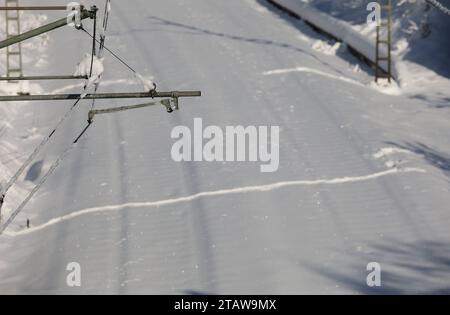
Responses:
[336,28]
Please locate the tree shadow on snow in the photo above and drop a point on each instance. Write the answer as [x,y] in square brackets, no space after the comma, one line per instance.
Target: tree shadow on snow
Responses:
[441,102]
[195,31]
[421,267]
[437,159]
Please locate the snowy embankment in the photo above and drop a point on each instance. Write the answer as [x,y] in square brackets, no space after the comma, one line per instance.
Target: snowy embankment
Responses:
[334,27]
[420,46]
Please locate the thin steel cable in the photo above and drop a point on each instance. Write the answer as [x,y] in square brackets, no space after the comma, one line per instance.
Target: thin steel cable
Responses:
[44,142]
[111,52]
[38,149]
[105,27]
[166,103]
[55,165]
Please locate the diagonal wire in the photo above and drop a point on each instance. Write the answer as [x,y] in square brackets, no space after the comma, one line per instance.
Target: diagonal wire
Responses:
[15,213]
[111,52]
[55,165]
[44,142]
[38,149]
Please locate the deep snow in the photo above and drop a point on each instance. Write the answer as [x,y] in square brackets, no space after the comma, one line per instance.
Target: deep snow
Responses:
[363,177]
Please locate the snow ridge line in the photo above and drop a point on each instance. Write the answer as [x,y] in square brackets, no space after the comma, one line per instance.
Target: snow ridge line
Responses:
[310,70]
[233,191]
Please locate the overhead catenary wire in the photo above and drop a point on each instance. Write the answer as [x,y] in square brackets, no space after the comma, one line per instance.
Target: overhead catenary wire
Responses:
[104,27]
[38,149]
[165,102]
[55,165]
[44,142]
[136,74]
[169,104]
[103,46]
[111,52]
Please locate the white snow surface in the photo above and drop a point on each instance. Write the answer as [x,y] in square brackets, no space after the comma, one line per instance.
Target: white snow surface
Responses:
[363,177]
[421,46]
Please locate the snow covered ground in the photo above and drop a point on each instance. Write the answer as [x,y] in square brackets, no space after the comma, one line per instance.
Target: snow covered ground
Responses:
[363,177]
[421,47]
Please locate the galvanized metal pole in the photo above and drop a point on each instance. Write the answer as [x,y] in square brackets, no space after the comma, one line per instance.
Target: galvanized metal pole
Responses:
[51,77]
[85,14]
[62,97]
[34,8]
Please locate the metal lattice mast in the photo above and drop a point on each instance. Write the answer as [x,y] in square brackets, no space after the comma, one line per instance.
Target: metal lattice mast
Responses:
[384,56]
[14,52]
